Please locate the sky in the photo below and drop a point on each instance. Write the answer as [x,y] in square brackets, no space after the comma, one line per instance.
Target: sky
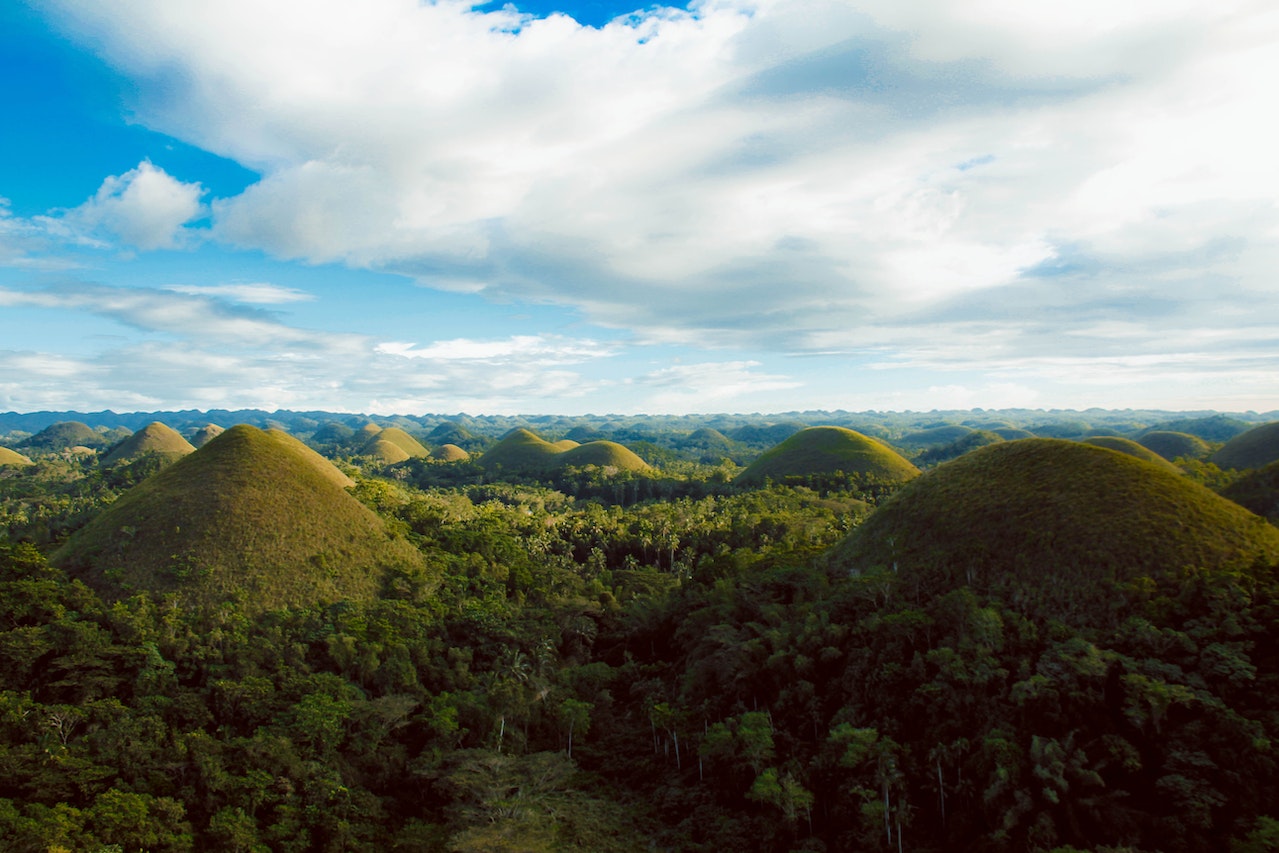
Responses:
[406,206]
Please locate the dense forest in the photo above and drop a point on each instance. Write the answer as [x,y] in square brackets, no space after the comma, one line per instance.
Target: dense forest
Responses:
[1037,643]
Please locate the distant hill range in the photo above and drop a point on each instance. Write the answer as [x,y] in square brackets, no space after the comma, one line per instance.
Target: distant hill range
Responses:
[253,516]
[1055,528]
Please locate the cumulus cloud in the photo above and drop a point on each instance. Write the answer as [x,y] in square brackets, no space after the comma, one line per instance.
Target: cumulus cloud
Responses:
[145,208]
[854,176]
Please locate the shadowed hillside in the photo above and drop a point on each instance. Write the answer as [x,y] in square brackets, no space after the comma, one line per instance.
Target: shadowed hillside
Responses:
[824,451]
[205,434]
[154,438]
[249,515]
[1257,491]
[1132,448]
[1175,445]
[1053,527]
[384,451]
[1256,448]
[64,435]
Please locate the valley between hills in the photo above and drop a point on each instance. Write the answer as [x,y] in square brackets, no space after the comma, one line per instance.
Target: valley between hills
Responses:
[816,631]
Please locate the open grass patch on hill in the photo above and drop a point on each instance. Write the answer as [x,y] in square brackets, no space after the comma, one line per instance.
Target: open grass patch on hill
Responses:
[827,451]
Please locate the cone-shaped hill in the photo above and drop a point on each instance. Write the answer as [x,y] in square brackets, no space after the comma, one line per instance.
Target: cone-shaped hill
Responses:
[408,446]
[1174,445]
[205,434]
[524,451]
[451,453]
[155,438]
[520,450]
[1054,528]
[13,459]
[322,466]
[824,451]
[250,516]
[65,435]
[605,454]
[1256,448]
[1132,448]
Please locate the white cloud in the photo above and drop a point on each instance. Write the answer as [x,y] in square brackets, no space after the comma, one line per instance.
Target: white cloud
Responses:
[145,208]
[776,173]
[258,293]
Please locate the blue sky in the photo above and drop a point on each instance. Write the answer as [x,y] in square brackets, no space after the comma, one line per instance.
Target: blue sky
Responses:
[742,205]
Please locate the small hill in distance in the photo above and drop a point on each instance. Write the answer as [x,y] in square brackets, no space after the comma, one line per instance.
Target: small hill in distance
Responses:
[408,446]
[451,453]
[1132,448]
[13,459]
[825,451]
[205,434]
[1057,529]
[1175,445]
[154,438]
[1256,448]
[65,435]
[522,450]
[249,516]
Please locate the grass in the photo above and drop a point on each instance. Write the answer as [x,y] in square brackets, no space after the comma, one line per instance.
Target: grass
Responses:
[1256,448]
[384,451]
[411,447]
[605,454]
[520,450]
[1173,445]
[250,515]
[826,450]
[13,458]
[1257,491]
[205,434]
[451,453]
[1132,448]
[1060,528]
[155,437]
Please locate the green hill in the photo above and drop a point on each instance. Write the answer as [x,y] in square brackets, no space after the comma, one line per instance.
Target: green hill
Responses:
[155,438]
[1257,491]
[384,451]
[1256,448]
[65,435]
[1012,433]
[1132,448]
[1211,428]
[520,450]
[604,454]
[205,434]
[409,446]
[826,450]
[565,444]
[1175,445]
[248,516]
[1054,528]
[13,459]
[322,466]
[451,453]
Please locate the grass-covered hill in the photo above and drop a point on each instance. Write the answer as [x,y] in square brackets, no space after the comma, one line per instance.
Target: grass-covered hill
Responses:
[825,451]
[520,450]
[1132,448]
[384,451]
[935,436]
[1258,491]
[322,466]
[1172,445]
[205,434]
[409,446]
[66,434]
[1256,448]
[1012,433]
[12,458]
[605,454]
[1052,527]
[248,516]
[154,438]
[451,453]
[523,451]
